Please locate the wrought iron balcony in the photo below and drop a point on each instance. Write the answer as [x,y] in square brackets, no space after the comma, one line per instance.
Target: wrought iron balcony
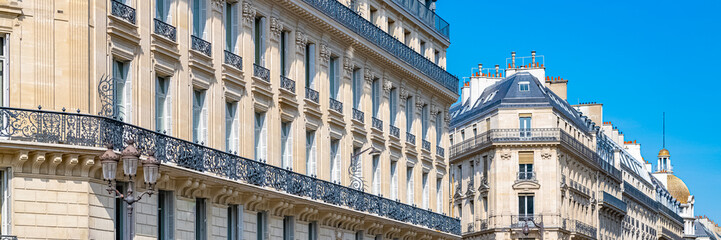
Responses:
[163,29]
[311,94]
[632,191]
[579,187]
[482,224]
[440,151]
[526,176]
[394,131]
[426,145]
[425,15]
[336,105]
[410,138]
[287,84]
[530,220]
[358,115]
[609,199]
[94,131]
[662,208]
[377,124]
[122,11]
[8,237]
[370,32]
[670,234]
[200,45]
[261,72]
[471,226]
[233,60]
[585,229]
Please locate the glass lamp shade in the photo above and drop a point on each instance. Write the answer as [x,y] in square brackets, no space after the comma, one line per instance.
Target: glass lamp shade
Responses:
[151,165]
[130,165]
[109,163]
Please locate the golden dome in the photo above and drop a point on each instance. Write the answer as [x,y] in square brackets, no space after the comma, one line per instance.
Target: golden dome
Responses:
[677,188]
[663,153]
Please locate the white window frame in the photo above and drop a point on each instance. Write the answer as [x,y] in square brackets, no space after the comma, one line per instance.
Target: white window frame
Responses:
[231,29]
[163,120]
[259,38]
[122,107]
[376,97]
[310,66]
[286,138]
[5,190]
[201,213]
[394,180]
[521,86]
[410,185]
[310,153]
[200,114]
[426,191]
[335,164]
[5,58]
[261,136]
[288,228]
[232,141]
[439,195]
[377,175]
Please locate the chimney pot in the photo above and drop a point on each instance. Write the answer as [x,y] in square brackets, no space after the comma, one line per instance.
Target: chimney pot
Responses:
[513,59]
[533,58]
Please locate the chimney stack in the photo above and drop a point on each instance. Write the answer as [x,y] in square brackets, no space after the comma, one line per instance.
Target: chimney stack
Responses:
[533,58]
[496,71]
[465,92]
[513,59]
[480,69]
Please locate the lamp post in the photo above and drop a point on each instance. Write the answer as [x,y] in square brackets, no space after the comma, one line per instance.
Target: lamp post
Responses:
[526,230]
[356,182]
[129,156]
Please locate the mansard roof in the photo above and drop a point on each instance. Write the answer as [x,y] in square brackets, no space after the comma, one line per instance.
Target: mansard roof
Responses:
[506,94]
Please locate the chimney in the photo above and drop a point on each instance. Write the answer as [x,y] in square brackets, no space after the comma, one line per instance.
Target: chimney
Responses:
[475,90]
[480,69]
[497,71]
[465,92]
[513,59]
[533,58]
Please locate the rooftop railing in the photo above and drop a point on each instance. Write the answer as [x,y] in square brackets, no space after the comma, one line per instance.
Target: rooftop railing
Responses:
[95,131]
[427,16]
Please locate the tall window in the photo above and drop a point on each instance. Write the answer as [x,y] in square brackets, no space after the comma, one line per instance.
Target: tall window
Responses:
[471,209]
[437,57]
[162,10]
[163,105]
[122,90]
[525,205]
[394,180]
[166,219]
[231,127]
[357,162]
[284,53]
[525,165]
[357,88]
[310,65]
[313,230]
[261,225]
[426,191]
[423,48]
[439,195]
[376,175]
[525,125]
[407,37]
[286,145]
[333,77]
[235,222]
[261,136]
[409,114]
[335,168]
[5,202]
[410,185]
[393,102]
[199,17]
[200,117]
[121,216]
[376,96]
[424,121]
[439,128]
[4,79]
[259,40]
[288,228]
[201,217]
[231,26]
[310,153]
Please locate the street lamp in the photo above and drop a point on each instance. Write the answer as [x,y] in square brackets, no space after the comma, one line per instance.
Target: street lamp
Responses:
[526,230]
[129,156]
[356,181]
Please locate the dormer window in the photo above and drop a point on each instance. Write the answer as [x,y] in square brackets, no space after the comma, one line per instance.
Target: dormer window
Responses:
[523,86]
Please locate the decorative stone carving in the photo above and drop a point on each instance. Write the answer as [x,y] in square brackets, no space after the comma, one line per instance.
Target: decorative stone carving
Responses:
[447,118]
[218,4]
[387,85]
[420,102]
[348,66]
[276,27]
[545,156]
[300,40]
[324,53]
[403,94]
[434,111]
[368,76]
[248,12]
[506,156]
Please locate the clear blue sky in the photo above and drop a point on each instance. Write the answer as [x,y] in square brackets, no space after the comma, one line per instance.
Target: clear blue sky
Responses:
[638,58]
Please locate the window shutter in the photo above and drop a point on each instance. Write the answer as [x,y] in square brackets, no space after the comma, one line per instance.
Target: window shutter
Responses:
[170,218]
[239,224]
[168,16]
[525,158]
[204,120]
[257,132]
[290,145]
[203,18]
[410,187]
[262,41]
[284,144]
[376,176]
[196,18]
[159,97]
[159,9]
[168,108]
[439,195]
[264,138]
[128,94]
[311,65]
[426,192]
[234,27]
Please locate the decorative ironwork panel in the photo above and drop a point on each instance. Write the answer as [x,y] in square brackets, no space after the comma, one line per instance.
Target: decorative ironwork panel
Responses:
[613,201]
[123,11]
[8,237]
[377,124]
[426,145]
[106,87]
[426,15]
[526,176]
[311,94]
[440,151]
[232,59]
[530,220]
[164,29]
[585,229]
[410,138]
[97,131]
[394,131]
[356,23]
[358,115]
[261,72]
[200,45]
[336,105]
[287,84]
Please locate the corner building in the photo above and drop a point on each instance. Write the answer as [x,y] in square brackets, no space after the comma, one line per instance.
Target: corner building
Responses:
[254,107]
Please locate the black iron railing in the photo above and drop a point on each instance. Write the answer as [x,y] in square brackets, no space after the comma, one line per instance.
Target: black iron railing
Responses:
[261,72]
[394,131]
[122,11]
[8,237]
[358,115]
[287,84]
[526,176]
[356,23]
[200,45]
[95,131]
[311,94]
[410,138]
[440,151]
[377,124]
[336,105]
[579,187]
[530,220]
[585,229]
[232,59]
[427,16]
[426,145]
[163,29]
[609,199]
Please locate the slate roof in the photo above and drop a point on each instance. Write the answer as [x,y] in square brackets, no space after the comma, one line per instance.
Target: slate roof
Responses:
[507,94]
[701,231]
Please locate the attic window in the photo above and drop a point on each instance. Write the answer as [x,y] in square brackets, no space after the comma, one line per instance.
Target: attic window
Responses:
[523,86]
